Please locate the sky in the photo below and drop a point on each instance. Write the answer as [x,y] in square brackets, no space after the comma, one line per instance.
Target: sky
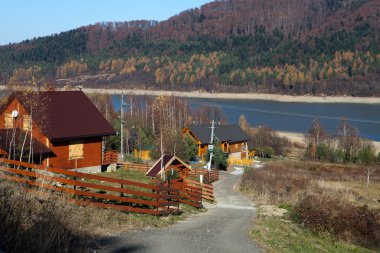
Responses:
[27,19]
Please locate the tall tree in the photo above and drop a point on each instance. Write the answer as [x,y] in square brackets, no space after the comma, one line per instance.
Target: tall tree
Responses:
[317,132]
[349,140]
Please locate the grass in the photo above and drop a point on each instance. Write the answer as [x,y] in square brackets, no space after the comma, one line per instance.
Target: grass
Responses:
[355,192]
[33,222]
[277,234]
[287,184]
[131,175]
[108,222]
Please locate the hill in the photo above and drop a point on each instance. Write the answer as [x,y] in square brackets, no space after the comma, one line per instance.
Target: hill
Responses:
[296,46]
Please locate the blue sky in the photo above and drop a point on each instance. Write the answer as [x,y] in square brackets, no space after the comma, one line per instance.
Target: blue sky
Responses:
[26,19]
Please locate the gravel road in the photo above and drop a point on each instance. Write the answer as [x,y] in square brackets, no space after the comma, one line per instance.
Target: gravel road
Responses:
[223,228]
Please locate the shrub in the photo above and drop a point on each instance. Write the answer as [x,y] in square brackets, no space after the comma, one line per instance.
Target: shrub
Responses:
[367,154]
[325,153]
[325,213]
[265,152]
[263,137]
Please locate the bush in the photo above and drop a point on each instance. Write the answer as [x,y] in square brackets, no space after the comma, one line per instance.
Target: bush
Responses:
[325,213]
[325,153]
[263,137]
[366,155]
[265,152]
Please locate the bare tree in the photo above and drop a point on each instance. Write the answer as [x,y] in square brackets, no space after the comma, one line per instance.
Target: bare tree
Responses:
[243,123]
[369,171]
[206,113]
[317,132]
[349,139]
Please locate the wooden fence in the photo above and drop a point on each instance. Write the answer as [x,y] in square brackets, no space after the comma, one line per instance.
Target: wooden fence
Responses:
[207,189]
[134,166]
[109,157]
[189,195]
[208,176]
[95,190]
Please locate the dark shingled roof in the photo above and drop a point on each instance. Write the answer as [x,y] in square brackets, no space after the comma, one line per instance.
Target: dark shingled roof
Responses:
[68,115]
[156,168]
[230,133]
[167,160]
[6,136]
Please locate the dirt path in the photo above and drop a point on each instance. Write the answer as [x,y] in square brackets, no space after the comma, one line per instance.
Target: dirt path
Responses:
[223,228]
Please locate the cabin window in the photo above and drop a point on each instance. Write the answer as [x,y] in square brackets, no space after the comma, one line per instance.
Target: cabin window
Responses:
[8,120]
[76,150]
[26,123]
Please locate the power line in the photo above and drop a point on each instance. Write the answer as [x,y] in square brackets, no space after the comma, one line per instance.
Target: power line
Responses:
[312,116]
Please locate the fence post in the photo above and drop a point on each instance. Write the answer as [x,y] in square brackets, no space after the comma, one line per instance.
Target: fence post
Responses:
[121,187]
[75,183]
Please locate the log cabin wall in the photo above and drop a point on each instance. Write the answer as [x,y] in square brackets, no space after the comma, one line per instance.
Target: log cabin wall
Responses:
[19,121]
[92,155]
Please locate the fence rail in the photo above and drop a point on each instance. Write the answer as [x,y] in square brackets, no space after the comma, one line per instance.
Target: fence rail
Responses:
[95,190]
[134,166]
[209,176]
[109,157]
[190,195]
[207,190]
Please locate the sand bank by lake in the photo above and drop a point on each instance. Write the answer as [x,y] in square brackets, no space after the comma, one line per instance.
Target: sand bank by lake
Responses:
[247,96]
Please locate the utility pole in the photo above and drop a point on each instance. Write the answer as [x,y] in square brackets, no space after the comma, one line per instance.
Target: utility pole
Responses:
[211,145]
[122,122]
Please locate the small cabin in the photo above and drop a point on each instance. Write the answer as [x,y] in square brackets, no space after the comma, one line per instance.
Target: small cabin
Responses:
[232,138]
[60,129]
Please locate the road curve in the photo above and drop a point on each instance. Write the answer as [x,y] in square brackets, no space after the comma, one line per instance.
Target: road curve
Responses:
[223,228]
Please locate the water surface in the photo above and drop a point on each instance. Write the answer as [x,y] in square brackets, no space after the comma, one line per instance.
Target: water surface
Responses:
[297,116]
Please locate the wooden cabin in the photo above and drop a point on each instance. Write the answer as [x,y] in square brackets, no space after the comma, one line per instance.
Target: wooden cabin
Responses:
[65,128]
[232,139]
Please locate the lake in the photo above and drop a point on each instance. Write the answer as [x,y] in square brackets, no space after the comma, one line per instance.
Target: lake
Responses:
[297,116]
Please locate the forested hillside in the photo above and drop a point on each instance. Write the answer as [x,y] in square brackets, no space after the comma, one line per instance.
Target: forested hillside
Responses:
[315,47]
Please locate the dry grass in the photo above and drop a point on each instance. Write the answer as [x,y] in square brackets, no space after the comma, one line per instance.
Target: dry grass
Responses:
[37,224]
[355,192]
[326,198]
[276,234]
[45,222]
[288,181]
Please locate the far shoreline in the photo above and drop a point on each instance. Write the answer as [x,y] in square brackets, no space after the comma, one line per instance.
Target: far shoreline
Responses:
[240,96]
[237,96]
[297,137]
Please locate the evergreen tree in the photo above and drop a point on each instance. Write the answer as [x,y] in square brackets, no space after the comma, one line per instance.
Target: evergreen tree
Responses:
[219,159]
[188,148]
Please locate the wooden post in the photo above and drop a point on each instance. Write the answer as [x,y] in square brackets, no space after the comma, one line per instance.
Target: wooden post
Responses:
[121,187]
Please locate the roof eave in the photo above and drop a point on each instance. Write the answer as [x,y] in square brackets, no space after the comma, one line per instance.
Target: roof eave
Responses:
[70,138]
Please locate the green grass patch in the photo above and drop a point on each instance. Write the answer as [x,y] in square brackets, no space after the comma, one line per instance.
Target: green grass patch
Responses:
[131,175]
[277,234]
[287,207]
